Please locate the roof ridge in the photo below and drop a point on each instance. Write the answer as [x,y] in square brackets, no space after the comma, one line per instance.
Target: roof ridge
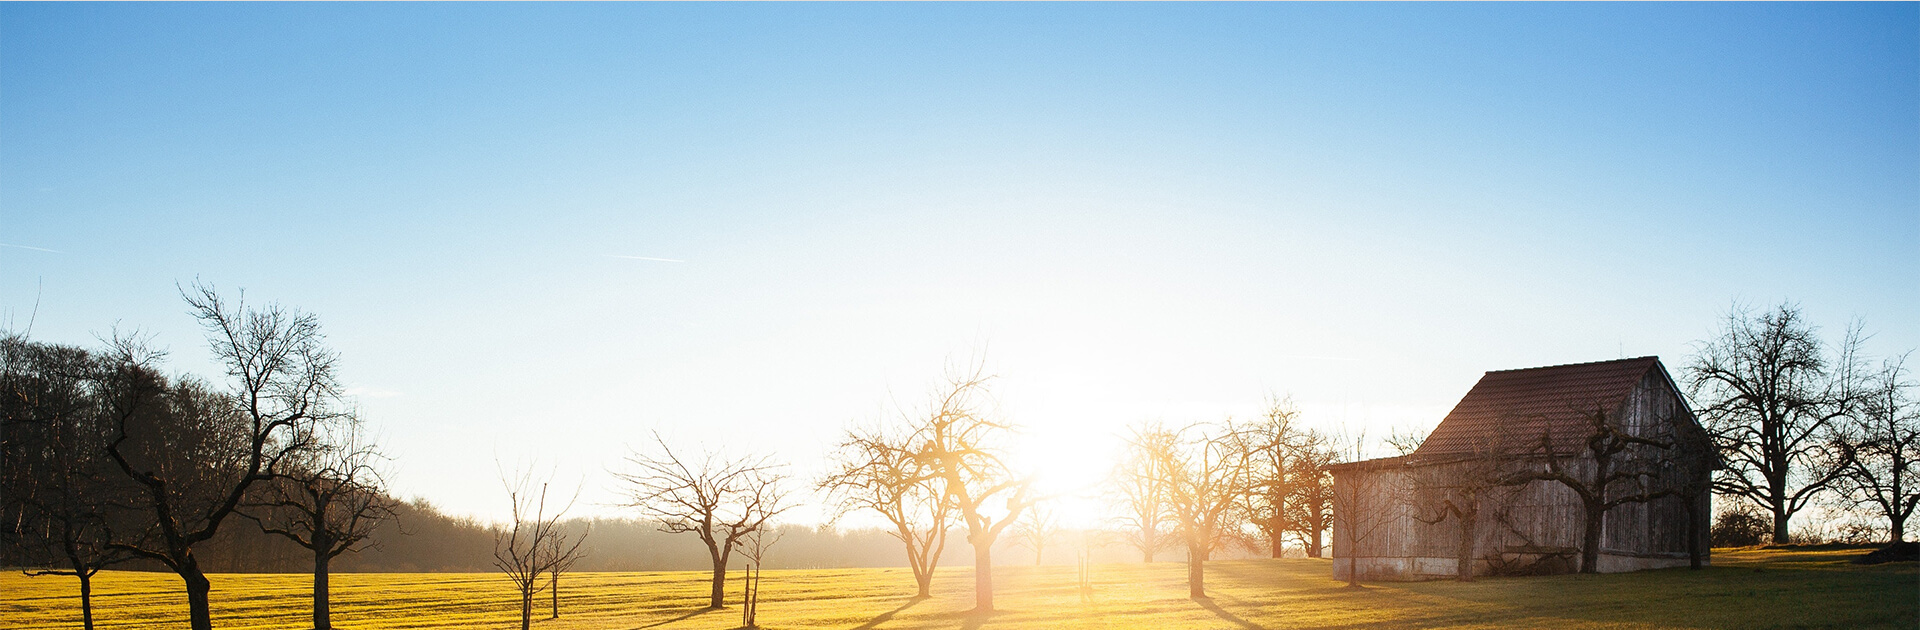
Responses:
[1653,357]
[1530,399]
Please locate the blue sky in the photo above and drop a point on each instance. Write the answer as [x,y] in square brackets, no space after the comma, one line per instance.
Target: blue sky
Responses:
[1137,210]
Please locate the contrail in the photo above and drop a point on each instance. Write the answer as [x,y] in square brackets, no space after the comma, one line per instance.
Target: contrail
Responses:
[640,258]
[37,249]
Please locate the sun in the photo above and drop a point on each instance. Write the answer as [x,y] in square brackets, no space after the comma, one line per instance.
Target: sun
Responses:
[1070,466]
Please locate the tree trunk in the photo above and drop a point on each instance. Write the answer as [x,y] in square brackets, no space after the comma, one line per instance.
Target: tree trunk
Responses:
[718,596]
[1590,542]
[753,596]
[1314,551]
[1196,572]
[199,614]
[982,577]
[1463,555]
[86,598]
[924,579]
[1897,521]
[1274,533]
[1147,539]
[322,606]
[1780,536]
[554,588]
[526,606]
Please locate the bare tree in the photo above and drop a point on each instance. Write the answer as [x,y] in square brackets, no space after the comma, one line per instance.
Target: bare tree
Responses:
[55,495]
[1617,470]
[532,545]
[1206,478]
[874,470]
[327,500]
[1406,441]
[1770,394]
[1362,501]
[1882,442]
[1310,510]
[1689,476]
[1269,446]
[1036,528]
[563,551]
[759,543]
[194,452]
[1478,482]
[1139,488]
[722,501]
[962,447]
[755,549]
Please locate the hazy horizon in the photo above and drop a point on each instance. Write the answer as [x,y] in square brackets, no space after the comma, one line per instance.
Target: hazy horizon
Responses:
[542,232]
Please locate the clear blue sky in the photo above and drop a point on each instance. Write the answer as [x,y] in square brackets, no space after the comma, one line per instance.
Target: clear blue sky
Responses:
[1141,211]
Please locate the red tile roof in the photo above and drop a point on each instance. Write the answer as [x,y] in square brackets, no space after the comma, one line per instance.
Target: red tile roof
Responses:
[1522,404]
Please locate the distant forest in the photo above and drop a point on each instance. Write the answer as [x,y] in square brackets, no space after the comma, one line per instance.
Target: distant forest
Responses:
[422,538]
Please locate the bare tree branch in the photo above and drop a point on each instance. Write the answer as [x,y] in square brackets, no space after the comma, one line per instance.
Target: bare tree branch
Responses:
[722,501]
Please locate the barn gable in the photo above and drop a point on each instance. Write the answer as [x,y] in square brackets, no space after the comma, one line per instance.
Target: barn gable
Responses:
[1552,400]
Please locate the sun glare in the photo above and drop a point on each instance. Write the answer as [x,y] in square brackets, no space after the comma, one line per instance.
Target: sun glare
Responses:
[1069,464]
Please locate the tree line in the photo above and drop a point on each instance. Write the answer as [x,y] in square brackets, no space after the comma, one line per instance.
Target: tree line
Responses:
[110,461]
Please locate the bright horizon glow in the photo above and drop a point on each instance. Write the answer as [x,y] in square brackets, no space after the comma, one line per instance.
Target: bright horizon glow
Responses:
[541,232]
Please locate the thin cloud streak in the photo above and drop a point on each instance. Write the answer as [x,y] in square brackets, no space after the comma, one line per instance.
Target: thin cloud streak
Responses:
[645,258]
[37,249]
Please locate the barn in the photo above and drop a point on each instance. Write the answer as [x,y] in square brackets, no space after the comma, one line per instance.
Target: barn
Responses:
[1507,482]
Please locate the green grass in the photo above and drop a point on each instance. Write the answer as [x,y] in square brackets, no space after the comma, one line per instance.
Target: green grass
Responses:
[1757,588]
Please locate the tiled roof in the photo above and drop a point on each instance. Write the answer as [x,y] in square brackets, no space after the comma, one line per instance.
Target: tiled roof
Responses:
[1523,404]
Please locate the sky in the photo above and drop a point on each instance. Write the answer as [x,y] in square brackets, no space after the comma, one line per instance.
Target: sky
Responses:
[539,233]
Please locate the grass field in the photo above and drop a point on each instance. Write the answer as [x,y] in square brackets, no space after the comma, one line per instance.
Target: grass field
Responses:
[1756,588]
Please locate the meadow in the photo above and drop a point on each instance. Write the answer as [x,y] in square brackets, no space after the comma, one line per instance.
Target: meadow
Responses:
[1751,588]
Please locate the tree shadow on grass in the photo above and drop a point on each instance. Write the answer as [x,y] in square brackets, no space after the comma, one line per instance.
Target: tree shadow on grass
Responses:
[689,615]
[888,616]
[969,619]
[975,618]
[1207,603]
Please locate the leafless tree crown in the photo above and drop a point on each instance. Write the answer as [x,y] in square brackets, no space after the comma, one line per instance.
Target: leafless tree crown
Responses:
[1881,445]
[1770,392]
[721,500]
[533,544]
[880,471]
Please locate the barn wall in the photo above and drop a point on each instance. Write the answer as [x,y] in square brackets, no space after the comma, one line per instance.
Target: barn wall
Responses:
[1517,525]
[1542,518]
[1372,516]
[1657,528]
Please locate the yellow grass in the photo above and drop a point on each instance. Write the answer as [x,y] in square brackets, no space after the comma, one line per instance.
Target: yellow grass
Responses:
[1791,589]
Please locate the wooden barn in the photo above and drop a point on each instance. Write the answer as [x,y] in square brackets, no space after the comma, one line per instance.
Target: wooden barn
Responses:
[1506,483]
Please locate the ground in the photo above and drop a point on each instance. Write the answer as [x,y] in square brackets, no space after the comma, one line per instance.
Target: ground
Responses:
[1757,588]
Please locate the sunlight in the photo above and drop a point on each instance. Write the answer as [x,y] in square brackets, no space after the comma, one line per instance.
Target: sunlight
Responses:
[1069,461]
[506,309]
